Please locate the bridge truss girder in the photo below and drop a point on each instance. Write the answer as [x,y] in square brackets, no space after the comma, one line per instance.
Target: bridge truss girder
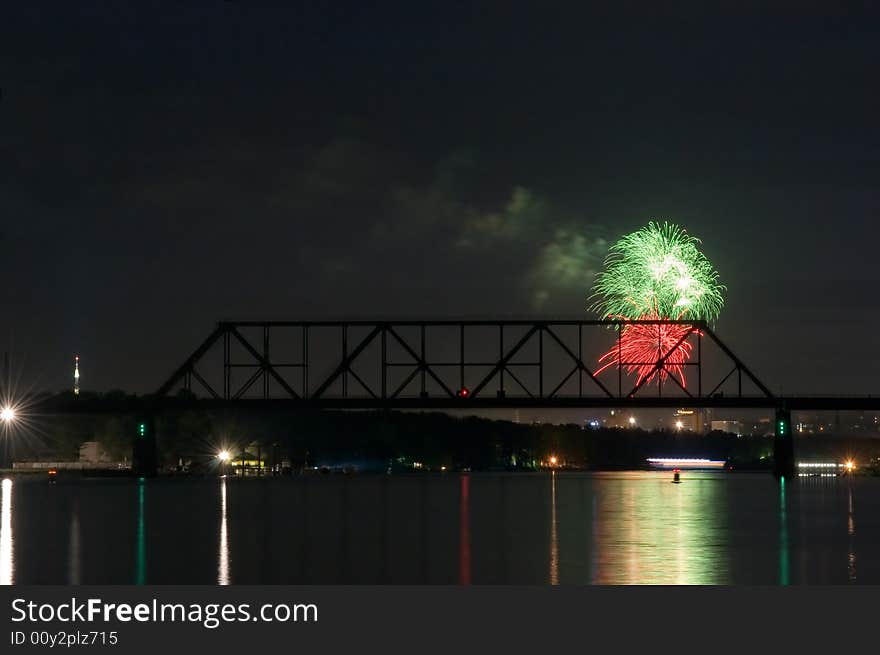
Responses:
[561,374]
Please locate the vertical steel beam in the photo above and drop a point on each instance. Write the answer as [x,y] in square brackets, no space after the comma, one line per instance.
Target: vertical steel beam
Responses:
[305,361]
[461,353]
[344,357]
[541,361]
[227,369]
[265,362]
[384,361]
[501,356]
[580,358]
[699,364]
[620,360]
[659,357]
[423,363]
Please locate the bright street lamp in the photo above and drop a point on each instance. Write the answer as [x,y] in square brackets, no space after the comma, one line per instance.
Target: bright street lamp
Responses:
[7,415]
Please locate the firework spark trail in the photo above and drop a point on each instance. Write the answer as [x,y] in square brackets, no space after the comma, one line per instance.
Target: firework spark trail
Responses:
[656,273]
[658,269]
[643,345]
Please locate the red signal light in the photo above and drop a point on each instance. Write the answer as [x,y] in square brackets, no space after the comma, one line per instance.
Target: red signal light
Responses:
[463,392]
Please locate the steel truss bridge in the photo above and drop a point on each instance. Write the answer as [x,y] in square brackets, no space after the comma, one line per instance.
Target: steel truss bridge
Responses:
[458,365]
[453,364]
[444,364]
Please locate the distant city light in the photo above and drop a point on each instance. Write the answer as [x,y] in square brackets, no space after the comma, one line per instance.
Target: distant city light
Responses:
[553,460]
[850,465]
[7,414]
[679,425]
[632,420]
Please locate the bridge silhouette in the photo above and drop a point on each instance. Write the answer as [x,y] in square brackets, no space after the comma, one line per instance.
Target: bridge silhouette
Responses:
[459,364]
[447,364]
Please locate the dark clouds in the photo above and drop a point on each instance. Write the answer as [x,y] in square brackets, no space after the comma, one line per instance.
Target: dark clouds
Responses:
[165,166]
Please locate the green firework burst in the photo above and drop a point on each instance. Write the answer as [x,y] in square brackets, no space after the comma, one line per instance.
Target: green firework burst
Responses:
[658,268]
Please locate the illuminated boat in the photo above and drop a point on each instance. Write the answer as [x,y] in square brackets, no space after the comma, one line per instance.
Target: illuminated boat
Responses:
[684,463]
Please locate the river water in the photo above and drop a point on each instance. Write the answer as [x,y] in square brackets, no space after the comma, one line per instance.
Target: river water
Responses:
[476,528]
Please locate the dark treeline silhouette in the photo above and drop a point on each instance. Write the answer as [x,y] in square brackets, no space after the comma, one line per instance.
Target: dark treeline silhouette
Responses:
[373,440]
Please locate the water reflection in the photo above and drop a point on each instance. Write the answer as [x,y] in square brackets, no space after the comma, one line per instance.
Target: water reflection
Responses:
[851,531]
[140,574]
[464,531]
[223,550]
[73,548]
[783,535]
[649,531]
[606,528]
[554,537]
[6,544]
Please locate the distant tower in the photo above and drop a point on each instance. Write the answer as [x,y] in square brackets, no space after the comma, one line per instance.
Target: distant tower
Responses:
[76,375]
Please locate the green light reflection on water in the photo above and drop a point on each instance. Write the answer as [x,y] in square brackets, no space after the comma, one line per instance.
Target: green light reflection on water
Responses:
[783,535]
[141,553]
[649,531]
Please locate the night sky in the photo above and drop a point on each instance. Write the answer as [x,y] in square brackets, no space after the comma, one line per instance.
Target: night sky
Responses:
[163,168]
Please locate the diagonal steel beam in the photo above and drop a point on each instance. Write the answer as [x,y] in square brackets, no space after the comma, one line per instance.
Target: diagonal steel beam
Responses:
[345,364]
[579,362]
[504,360]
[421,362]
[248,384]
[676,380]
[266,366]
[564,380]
[518,381]
[659,364]
[189,364]
[742,367]
[723,380]
[203,382]
[363,384]
[409,378]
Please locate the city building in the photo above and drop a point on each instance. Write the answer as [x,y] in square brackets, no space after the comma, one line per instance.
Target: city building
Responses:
[733,427]
[687,419]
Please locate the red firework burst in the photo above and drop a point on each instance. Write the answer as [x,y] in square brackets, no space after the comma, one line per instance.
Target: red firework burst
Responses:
[643,345]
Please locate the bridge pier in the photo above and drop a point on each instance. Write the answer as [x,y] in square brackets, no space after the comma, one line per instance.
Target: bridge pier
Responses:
[144,456]
[783,445]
